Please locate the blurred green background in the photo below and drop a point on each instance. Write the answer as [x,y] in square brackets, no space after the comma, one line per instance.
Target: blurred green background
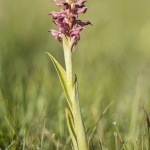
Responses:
[111,61]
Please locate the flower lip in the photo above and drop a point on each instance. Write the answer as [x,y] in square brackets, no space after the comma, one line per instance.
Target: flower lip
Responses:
[57,35]
[56,15]
[80,2]
[76,31]
[81,10]
[83,23]
[59,3]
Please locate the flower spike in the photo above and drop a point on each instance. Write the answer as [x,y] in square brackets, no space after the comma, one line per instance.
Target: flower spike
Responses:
[68,22]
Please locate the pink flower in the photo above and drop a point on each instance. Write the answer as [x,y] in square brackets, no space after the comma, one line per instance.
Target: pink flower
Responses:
[58,3]
[57,35]
[67,20]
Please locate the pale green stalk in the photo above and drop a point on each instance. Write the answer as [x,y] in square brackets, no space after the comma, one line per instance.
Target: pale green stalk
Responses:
[68,62]
[73,93]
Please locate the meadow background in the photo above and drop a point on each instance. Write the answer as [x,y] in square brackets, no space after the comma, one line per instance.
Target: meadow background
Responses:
[112,62]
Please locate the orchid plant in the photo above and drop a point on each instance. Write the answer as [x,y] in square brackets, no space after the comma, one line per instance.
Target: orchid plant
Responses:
[68,34]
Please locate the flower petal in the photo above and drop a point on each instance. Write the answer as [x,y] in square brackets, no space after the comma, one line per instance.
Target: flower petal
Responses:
[59,3]
[58,21]
[80,2]
[76,31]
[56,15]
[81,10]
[57,35]
[83,23]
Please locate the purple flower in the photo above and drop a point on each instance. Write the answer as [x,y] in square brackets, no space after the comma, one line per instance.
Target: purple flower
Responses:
[58,3]
[75,31]
[67,20]
[81,2]
[57,35]
[83,23]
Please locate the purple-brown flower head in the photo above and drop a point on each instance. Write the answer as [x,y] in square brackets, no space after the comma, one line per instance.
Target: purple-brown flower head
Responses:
[67,20]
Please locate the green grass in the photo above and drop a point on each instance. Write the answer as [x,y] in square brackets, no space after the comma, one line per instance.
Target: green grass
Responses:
[111,61]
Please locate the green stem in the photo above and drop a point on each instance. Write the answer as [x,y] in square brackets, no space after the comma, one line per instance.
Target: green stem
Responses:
[68,61]
[73,93]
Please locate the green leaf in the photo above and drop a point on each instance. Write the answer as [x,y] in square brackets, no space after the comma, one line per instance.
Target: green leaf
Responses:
[71,129]
[62,77]
[78,120]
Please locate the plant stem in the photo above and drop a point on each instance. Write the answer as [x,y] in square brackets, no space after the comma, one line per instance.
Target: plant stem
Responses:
[73,93]
[68,62]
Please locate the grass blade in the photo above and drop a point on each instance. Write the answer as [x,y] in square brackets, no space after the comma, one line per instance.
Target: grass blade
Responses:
[16,133]
[95,127]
